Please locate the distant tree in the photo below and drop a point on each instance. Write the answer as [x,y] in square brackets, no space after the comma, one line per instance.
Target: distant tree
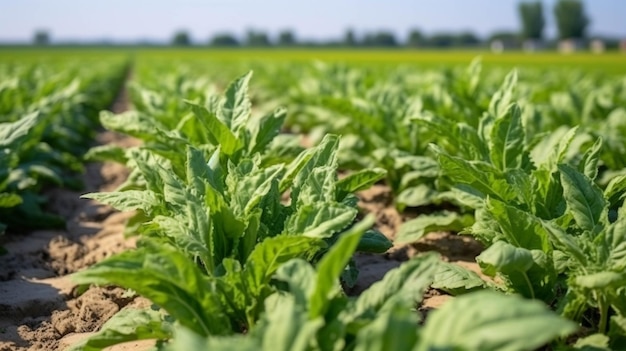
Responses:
[224,40]
[255,38]
[416,39]
[531,15]
[442,40]
[380,39]
[349,38]
[181,38]
[466,39]
[286,38]
[571,20]
[41,37]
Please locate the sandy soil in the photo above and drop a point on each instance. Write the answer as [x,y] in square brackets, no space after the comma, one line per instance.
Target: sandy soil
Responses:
[40,309]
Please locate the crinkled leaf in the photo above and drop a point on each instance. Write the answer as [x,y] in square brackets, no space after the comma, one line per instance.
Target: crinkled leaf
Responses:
[584,199]
[235,108]
[129,324]
[482,176]
[109,152]
[393,329]
[589,163]
[519,227]
[492,321]
[169,279]
[265,130]
[415,229]
[506,143]
[130,200]
[332,264]
[320,220]
[358,181]
[456,280]
[220,132]
[12,134]
[504,257]
[405,284]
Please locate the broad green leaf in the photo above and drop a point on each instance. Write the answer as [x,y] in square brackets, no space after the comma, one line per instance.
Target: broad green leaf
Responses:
[481,176]
[589,163]
[358,181]
[287,326]
[221,133]
[415,229]
[129,324]
[322,156]
[506,143]
[320,186]
[405,284]
[12,134]
[9,200]
[527,272]
[137,124]
[616,189]
[501,100]
[235,108]
[332,264]
[248,191]
[558,142]
[593,342]
[602,280]
[320,220]
[186,339]
[393,329]
[520,228]
[129,200]
[416,196]
[584,199]
[169,279]
[486,321]
[523,185]
[457,280]
[271,253]
[614,249]
[565,242]
[107,153]
[504,257]
[197,171]
[300,276]
[374,241]
[265,130]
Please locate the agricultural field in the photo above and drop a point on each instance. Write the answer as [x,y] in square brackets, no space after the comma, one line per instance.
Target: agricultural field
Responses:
[312,200]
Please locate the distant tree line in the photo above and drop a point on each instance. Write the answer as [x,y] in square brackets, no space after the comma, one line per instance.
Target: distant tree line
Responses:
[570,19]
[382,39]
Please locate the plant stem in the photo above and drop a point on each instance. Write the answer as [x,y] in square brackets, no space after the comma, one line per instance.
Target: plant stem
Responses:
[530,286]
[604,314]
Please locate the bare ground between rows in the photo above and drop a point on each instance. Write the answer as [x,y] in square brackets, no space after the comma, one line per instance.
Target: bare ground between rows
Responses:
[39,309]
[38,304]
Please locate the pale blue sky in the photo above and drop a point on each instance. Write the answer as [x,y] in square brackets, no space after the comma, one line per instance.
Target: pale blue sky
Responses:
[129,20]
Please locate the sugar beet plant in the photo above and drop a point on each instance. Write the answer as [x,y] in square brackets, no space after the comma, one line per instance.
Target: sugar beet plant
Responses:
[551,232]
[231,262]
[47,122]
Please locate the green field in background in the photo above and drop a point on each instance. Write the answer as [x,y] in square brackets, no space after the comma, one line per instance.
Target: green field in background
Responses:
[610,63]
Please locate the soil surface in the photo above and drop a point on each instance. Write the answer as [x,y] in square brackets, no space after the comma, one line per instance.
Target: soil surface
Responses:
[40,309]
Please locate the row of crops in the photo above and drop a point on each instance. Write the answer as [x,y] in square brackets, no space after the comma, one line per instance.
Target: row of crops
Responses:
[246,206]
[48,119]
[246,237]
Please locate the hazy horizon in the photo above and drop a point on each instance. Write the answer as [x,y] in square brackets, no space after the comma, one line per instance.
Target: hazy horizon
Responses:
[143,20]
